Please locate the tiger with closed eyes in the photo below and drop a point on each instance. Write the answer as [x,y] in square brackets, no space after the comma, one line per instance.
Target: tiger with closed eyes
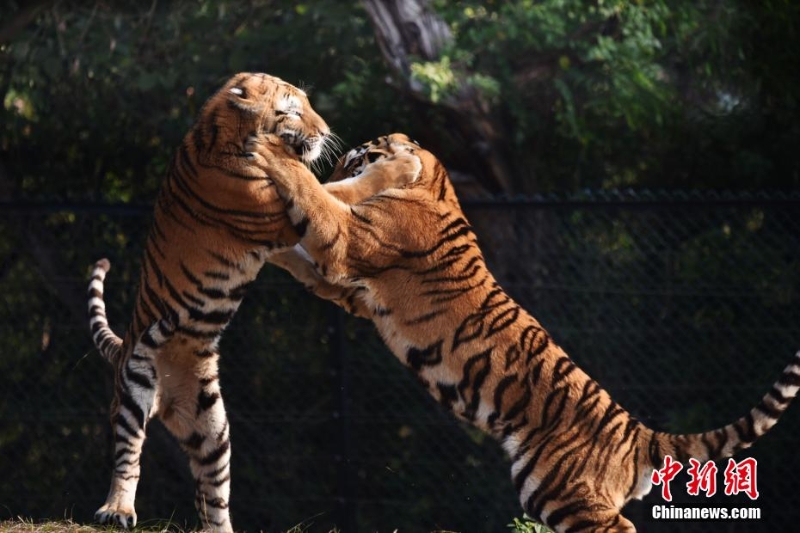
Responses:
[216,221]
[408,259]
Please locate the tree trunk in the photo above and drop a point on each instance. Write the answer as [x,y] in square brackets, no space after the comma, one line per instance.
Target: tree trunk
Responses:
[407,29]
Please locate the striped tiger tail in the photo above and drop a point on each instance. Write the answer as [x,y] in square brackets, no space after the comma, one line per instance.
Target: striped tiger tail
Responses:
[106,341]
[739,435]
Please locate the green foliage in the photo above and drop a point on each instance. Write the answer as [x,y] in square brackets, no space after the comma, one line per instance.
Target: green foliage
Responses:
[106,91]
[526,525]
[657,92]
[437,77]
[591,93]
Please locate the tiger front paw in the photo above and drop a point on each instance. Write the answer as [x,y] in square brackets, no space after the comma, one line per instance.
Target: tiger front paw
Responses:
[396,170]
[276,159]
[408,167]
[264,149]
[124,517]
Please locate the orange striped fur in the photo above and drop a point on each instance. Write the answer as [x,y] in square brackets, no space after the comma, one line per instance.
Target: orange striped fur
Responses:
[217,220]
[408,259]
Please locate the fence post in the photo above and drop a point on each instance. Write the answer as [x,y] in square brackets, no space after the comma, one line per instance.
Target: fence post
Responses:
[340,371]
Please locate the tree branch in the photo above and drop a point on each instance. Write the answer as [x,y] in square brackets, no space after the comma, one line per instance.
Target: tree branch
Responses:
[407,29]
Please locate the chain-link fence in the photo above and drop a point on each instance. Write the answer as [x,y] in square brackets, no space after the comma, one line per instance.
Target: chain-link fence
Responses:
[685,308]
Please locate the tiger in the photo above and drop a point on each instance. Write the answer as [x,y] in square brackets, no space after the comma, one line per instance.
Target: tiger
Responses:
[216,221]
[408,259]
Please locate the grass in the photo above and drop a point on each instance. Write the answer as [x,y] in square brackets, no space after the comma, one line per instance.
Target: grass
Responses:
[26,525]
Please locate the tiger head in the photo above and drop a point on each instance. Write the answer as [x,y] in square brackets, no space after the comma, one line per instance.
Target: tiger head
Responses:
[433,178]
[259,103]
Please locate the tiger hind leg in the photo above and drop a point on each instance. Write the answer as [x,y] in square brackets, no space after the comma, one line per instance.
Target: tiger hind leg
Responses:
[193,411]
[134,403]
[599,522]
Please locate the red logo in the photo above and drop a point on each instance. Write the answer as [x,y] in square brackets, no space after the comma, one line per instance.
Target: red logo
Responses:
[665,475]
[741,477]
[702,478]
[738,477]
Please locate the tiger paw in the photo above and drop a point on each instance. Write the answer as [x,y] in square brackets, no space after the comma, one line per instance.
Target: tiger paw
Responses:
[396,170]
[116,516]
[266,148]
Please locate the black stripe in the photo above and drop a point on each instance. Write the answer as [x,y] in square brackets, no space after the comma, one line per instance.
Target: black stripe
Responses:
[192,298]
[190,276]
[502,321]
[499,392]
[563,368]
[122,422]
[554,518]
[512,355]
[186,160]
[214,129]
[520,405]
[635,473]
[484,359]
[789,379]
[197,137]
[147,340]
[769,410]
[217,503]
[301,227]
[200,334]
[213,293]
[216,275]
[137,412]
[778,396]
[224,261]
[140,379]
[453,255]
[329,244]
[219,318]
[152,264]
[525,471]
[534,340]
[221,481]
[746,434]
[194,441]
[215,455]
[591,391]
[217,471]
[441,242]
[431,355]
[471,328]
[447,395]
[560,396]
[206,400]
[121,453]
